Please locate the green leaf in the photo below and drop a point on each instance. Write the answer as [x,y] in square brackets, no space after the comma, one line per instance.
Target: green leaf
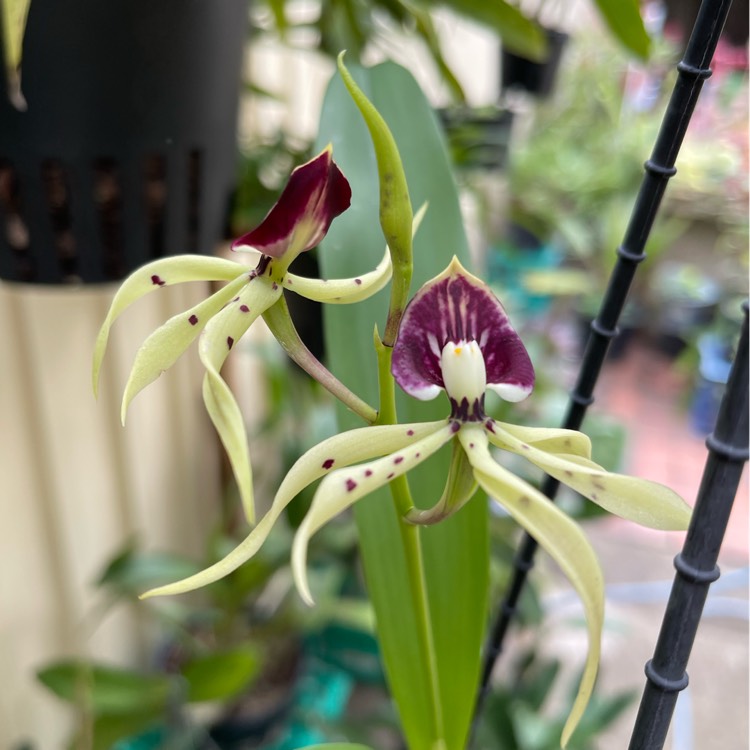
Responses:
[338,746]
[456,551]
[221,675]
[131,572]
[106,690]
[107,730]
[623,17]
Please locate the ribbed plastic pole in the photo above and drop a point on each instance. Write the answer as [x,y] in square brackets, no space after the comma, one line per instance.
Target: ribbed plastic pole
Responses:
[696,565]
[692,71]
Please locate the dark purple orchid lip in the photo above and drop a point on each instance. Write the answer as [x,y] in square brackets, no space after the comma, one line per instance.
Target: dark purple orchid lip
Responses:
[458,307]
[316,193]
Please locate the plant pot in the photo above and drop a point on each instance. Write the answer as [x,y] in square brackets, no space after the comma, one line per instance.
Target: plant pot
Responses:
[126,150]
[478,138]
[536,78]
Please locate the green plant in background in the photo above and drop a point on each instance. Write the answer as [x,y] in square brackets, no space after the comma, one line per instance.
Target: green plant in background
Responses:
[574,174]
[428,589]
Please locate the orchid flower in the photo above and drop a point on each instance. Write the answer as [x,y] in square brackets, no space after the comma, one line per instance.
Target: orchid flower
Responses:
[456,337]
[316,193]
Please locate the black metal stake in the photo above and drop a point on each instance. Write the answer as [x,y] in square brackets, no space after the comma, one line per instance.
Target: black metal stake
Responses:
[696,565]
[693,70]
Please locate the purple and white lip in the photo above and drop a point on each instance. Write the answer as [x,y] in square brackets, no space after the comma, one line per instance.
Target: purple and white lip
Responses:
[316,193]
[456,336]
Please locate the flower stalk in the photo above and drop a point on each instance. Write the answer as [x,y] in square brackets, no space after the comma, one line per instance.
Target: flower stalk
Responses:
[395,205]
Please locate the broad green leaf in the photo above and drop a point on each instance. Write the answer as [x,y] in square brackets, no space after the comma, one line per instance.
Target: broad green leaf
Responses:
[107,690]
[339,746]
[456,551]
[623,17]
[221,675]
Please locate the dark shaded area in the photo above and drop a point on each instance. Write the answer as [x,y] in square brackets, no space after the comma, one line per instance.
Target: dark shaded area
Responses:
[126,150]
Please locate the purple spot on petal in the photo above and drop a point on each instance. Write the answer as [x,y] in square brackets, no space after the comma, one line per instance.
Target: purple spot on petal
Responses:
[357,281]
[410,432]
[490,425]
[274,286]
[236,299]
[368,472]
[417,455]
[350,484]
[193,319]
[288,282]
[157,281]
[230,342]
[398,459]
[244,308]
[328,463]
[471,445]
[455,427]
[390,476]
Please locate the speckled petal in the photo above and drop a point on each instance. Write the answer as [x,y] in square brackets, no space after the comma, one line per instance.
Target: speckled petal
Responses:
[222,332]
[342,291]
[165,345]
[638,500]
[456,306]
[317,192]
[341,489]
[164,272]
[336,452]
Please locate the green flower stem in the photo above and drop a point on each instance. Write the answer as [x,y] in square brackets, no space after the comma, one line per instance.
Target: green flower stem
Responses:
[280,323]
[410,539]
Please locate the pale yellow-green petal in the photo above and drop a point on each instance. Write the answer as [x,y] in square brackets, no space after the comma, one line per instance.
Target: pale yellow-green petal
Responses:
[342,291]
[640,500]
[164,272]
[338,451]
[347,291]
[560,537]
[165,345]
[222,332]
[551,439]
[342,488]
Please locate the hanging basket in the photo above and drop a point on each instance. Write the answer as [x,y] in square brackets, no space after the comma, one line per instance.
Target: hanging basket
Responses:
[126,149]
